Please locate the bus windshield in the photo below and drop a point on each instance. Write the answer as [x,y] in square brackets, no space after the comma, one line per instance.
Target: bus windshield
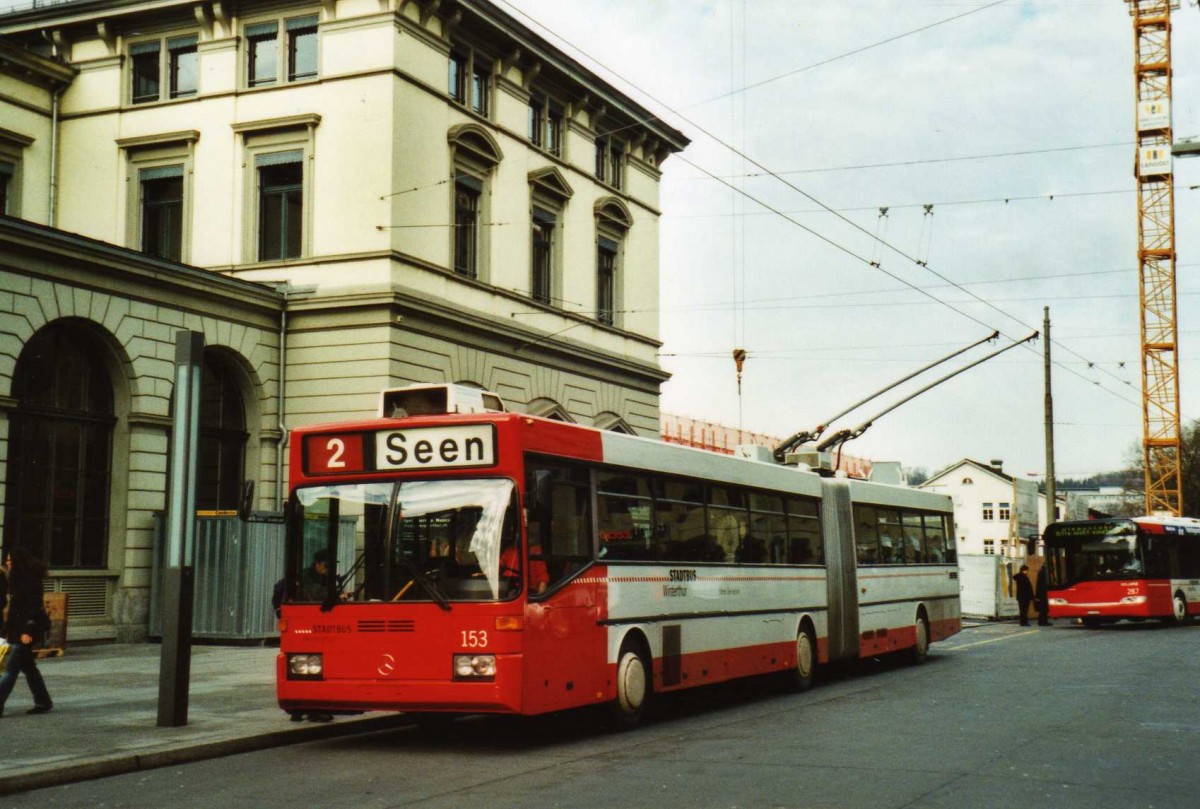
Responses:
[1093,552]
[457,534]
[440,540]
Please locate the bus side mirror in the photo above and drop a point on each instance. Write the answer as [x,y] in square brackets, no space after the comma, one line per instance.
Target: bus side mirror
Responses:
[247,501]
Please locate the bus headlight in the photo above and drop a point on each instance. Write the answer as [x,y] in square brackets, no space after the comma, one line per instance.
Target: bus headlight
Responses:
[1058,602]
[305,667]
[1133,600]
[474,667]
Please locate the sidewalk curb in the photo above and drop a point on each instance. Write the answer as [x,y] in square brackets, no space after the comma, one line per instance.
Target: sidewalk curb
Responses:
[123,763]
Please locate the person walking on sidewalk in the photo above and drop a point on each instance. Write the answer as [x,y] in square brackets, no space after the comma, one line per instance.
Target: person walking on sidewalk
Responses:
[27,623]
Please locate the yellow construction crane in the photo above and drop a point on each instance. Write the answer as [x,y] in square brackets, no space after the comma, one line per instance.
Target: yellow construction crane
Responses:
[1156,255]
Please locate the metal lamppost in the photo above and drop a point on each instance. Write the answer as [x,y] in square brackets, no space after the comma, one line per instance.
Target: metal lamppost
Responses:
[178,580]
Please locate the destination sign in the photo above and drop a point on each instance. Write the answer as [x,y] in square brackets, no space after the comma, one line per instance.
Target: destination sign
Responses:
[1093,528]
[447,447]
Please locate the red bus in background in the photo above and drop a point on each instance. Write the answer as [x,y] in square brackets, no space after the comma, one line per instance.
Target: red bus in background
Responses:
[1104,570]
[510,564]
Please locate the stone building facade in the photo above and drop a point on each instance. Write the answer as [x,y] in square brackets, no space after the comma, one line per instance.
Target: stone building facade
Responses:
[342,196]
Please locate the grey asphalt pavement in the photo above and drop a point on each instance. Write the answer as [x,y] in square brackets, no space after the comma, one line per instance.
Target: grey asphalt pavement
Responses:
[105,715]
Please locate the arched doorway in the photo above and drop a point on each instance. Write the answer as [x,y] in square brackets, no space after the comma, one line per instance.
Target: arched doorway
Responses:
[60,449]
[221,454]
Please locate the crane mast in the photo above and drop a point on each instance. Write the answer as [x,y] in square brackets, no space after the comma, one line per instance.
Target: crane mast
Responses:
[1156,255]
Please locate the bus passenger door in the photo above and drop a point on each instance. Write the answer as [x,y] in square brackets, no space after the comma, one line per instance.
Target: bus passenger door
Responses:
[841,569]
[565,649]
[565,644]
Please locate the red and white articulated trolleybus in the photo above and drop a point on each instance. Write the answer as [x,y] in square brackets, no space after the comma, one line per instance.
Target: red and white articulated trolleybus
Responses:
[513,564]
[1104,570]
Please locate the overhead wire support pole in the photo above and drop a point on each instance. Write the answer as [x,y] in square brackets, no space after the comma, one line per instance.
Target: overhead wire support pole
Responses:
[805,436]
[1048,411]
[842,436]
[1156,256]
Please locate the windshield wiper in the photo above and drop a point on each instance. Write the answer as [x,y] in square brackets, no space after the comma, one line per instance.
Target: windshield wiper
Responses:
[425,582]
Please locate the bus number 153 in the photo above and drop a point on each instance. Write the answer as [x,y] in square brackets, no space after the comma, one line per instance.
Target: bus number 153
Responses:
[474,638]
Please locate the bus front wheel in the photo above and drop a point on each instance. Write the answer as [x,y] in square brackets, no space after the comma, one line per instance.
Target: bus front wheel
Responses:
[633,687]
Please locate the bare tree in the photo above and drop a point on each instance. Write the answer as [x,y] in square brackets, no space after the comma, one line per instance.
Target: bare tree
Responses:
[1189,468]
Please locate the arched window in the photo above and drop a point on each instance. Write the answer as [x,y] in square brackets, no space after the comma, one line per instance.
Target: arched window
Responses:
[548,409]
[968,482]
[474,157]
[613,221]
[60,450]
[220,458]
[614,423]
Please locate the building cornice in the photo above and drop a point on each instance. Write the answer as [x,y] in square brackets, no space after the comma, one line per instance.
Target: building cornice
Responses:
[44,252]
[442,319]
[419,263]
[162,139]
[81,12]
[27,66]
[308,120]
[17,138]
[533,48]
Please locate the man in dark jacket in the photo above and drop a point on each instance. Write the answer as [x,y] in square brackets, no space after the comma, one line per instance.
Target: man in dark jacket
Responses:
[27,625]
[1024,594]
[314,581]
[1043,596]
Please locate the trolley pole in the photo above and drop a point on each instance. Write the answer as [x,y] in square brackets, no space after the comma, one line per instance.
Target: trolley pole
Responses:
[175,661]
[1051,502]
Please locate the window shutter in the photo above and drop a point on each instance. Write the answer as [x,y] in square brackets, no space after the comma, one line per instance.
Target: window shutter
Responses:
[279,158]
[160,173]
[262,29]
[301,24]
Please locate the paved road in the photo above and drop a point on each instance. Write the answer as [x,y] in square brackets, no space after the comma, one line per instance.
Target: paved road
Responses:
[1000,716]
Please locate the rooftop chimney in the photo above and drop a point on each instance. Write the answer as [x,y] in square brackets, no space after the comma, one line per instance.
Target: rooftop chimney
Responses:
[998,465]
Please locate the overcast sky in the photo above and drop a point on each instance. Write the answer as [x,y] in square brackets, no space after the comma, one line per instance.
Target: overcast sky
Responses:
[1014,120]
[948,98]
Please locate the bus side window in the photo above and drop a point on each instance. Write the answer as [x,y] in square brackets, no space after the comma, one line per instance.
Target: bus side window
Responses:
[680,528]
[935,538]
[804,533]
[891,536]
[624,516]
[558,503]
[866,534]
[1158,559]
[768,529]
[915,551]
[1189,557]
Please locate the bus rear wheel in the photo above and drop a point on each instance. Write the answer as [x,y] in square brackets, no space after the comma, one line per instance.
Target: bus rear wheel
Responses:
[633,687]
[1180,611]
[920,648]
[800,677]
